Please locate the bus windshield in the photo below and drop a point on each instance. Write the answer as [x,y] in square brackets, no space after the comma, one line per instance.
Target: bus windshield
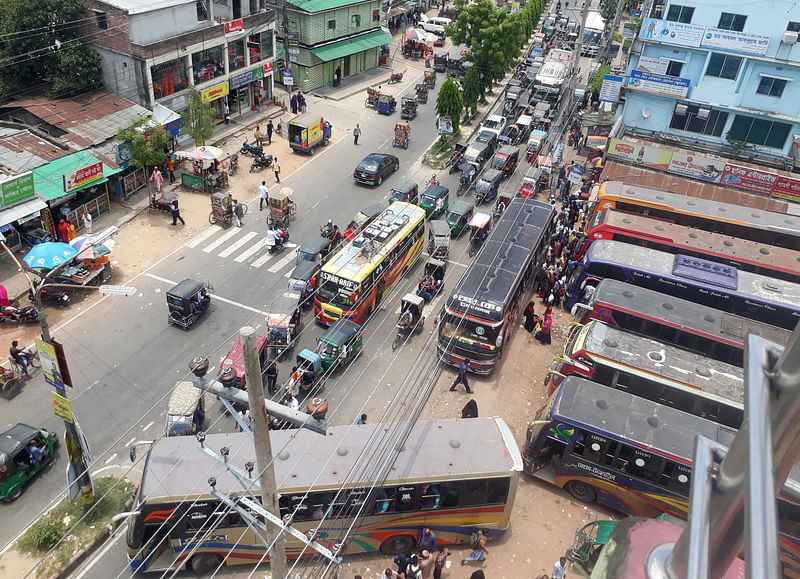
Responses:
[468,331]
[332,292]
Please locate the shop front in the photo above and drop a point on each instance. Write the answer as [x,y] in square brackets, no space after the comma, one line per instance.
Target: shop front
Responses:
[22,212]
[214,95]
[244,88]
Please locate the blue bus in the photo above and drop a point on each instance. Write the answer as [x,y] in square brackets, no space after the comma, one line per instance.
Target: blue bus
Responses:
[724,287]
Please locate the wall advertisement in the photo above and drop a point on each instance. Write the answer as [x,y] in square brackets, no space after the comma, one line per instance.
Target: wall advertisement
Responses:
[656,65]
[672,32]
[659,83]
[83,176]
[787,188]
[737,42]
[16,189]
[639,154]
[214,92]
[749,179]
[696,166]
[612,86]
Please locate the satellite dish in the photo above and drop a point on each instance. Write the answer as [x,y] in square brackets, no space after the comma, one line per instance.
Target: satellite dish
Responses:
[646,113]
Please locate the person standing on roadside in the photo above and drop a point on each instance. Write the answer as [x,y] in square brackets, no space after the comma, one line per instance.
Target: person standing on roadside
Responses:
[171,169]
[272,377]
[87,221]
[462,377]
[277,168]
[270,129]
[257,135]
[426,564]
[362,419]
[356,134]
[263,196]
[560,569]
[157,178]
[440,562]
[238,212]
[176,213]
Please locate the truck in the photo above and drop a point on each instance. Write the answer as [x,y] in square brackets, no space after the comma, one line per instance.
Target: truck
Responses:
[308,131]
[592,34]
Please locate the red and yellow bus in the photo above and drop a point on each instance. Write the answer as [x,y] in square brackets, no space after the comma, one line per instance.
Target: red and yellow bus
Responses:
[739,221]
[664,235]
[353,282]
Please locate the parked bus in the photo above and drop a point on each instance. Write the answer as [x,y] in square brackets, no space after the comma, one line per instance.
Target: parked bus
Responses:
[750,295]
[481,313]
[633,455]
[666,236]
[328,487]
[660,372]
[735,220]
[713,333]
[354,281]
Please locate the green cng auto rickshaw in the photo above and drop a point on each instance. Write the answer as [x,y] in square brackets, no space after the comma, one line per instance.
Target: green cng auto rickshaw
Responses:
[406,191]
[19,461]
[186,410]
[435,200]
[459,216]
[340,344]
[316,249]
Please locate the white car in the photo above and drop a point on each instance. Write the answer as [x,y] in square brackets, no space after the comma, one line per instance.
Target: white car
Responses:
[433,25]
[494,123]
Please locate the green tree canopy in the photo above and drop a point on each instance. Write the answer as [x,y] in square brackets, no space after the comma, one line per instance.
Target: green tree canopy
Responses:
[198,118]
[147,141]
[450,103]
[597,79]
[472,88]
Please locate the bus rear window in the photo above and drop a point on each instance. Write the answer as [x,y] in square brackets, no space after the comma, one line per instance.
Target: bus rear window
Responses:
[468,331]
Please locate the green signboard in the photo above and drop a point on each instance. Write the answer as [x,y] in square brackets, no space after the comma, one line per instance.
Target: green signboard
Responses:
[17,189]
[192,181]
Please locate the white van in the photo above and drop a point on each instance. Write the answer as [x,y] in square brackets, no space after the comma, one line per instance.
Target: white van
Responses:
[433,25]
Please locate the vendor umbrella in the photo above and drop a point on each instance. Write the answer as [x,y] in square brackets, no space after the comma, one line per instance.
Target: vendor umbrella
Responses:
[88,247]
[415,34]
[208,154]
[49,255]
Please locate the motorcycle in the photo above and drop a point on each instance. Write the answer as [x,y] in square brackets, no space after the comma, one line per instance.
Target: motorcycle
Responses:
[432,181]
[234,164]
[28,314]
[248,149]
[276,241]
[260,162]
[55,295]
[160,204]
[396,77]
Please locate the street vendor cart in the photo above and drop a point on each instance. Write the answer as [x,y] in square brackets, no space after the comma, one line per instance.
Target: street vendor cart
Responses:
[281,208]
[402,131]
[221,210]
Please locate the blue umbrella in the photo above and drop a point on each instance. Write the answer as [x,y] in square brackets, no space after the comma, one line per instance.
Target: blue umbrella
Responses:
[49,255]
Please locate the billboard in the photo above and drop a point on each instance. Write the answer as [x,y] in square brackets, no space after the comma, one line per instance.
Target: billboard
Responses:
[672,32]
[659,83]
[83,176]
[749,179]
[787,188]
[16,189]
[656,65]
[612,85]
[696,166]
[639,154]
[736,42]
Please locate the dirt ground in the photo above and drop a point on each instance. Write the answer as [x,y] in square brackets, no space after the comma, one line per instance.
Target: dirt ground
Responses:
[544,519]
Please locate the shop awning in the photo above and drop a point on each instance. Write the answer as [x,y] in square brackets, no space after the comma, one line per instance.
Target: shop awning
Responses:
[352,45]
[48,180]
[21,210]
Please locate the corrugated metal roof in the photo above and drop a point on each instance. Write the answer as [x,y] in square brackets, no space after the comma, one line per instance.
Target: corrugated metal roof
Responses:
[313,6]
[21,150]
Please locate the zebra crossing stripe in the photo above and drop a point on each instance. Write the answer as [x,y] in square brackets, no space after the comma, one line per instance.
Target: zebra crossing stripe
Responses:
[215,244]
[202,237]
[262,260]
[237,244]
[252,250]
[282,263]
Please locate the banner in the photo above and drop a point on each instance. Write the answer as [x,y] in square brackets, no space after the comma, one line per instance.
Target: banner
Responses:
[61,406]
[77,179]
[736,42]
[696,166]
[748,179]
[612,86]
[49,360]
[639,154]
[234,27]
[214,92]
[245,78]
[672,32]
[659,83]
[657,65]
[787,188]
[17,189]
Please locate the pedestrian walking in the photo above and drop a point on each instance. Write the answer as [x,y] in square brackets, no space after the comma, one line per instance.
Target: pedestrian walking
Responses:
[301,102]
[440,562]
[560,569]
[427,540]
[413,571]
[462,377]
[176,213]
[543,335]
[530,317]
[478,545]
[263,196]
[70,232]
[272,377]
[238,212]
[356,134]
[277,168]
[157,178]
[87,221]
[362,419]
[403,560]
[270,129]
[293,102]
[428,59]
[171,169]
[257,135]
[63,231]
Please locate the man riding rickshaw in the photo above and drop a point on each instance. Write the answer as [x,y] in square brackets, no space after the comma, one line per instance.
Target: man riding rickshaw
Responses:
[410,319]
[281,208]
[283,323]
[432,280]
[372,97]
[402,132]
[408,106]
[480,225]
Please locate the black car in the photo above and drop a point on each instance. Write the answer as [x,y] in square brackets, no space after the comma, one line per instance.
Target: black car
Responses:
[375,168]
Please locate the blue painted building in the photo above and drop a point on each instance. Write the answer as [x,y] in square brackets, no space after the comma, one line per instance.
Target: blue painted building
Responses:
[718,72]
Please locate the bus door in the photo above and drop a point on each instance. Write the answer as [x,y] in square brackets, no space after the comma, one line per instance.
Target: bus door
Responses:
[544,448]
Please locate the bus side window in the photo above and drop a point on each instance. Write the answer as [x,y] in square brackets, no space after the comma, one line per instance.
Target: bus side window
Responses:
[594,448]
[298,507]
[676,477]
[497,493]
[450,495]
[474,493]
[405,499]
[348,502]
[430,497]
[383,501]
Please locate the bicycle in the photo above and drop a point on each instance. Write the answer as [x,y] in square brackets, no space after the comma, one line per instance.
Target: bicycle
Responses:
[33,362]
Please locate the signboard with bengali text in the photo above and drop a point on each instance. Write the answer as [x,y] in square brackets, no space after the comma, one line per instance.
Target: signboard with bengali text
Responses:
[83,176]
[748,179]
[16,189]
[215,92]
[671,32]
[656,65]
[61,406]
[787,188]
[50,369]
[696,166]
[639,154]
[736,42]
[659,83]
[612,86]
[234,27]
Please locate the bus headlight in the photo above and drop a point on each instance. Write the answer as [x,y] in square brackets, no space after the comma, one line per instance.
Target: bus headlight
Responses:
[499,341]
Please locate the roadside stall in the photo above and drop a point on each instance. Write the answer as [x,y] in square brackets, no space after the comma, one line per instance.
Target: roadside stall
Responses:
[208,174]
[90,266]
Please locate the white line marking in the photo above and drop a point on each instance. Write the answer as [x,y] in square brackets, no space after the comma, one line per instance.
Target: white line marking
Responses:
[238,243]
[203,236]
[250,251]
[100,555]
[288,274]
[215,244]
[131,441]
[148,426]
[215,296]
[282,263]
[111,458]
[262,260]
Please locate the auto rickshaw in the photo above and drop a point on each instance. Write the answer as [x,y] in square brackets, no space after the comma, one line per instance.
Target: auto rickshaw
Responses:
[503,199]
[17,467]
[386,104]
[411,320]
[339,345]
[523,123]
[422,92]
[233,362]
[432,280]
[512,99]
[372,97]
[487,185]
[455,65]
[479,226]
[589,542]
[408,106]
[186,410]
[542,114]
[303,281]
[402,131]
[435,200]
[187,301]
[221,210]
[430,78]
[362,219]
[458,217]
[306,374]
[316,249]
[406,191]
[469,173]
[505,160]
[456,157]
[536,140]
[283,323]
[281,208]
[439,240]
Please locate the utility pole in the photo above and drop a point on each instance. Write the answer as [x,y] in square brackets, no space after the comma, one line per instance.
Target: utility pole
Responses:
[263,446]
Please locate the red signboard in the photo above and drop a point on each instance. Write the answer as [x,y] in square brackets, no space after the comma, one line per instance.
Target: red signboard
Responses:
[268,68]
[748,179]
[234,27]
[76,179]
[787,188]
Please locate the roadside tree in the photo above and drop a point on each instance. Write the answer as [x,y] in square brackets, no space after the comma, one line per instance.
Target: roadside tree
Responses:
[450,103]
[198,118]
[147,141]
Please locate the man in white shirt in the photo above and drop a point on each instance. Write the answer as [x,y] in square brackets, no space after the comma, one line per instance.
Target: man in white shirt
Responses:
[87,221]
[263,194]
[560,569]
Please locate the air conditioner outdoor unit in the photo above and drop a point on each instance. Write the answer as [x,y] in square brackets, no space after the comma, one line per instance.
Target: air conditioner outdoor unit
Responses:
[702,114]
[789,37]
[681,109]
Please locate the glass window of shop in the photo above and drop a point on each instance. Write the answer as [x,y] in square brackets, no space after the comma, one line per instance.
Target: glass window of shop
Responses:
[236,59]
[259,46]
[169,77]
[208,64]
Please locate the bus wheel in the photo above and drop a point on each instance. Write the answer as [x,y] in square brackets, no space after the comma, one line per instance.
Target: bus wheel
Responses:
[581,491]
[398,544]
[204,563]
